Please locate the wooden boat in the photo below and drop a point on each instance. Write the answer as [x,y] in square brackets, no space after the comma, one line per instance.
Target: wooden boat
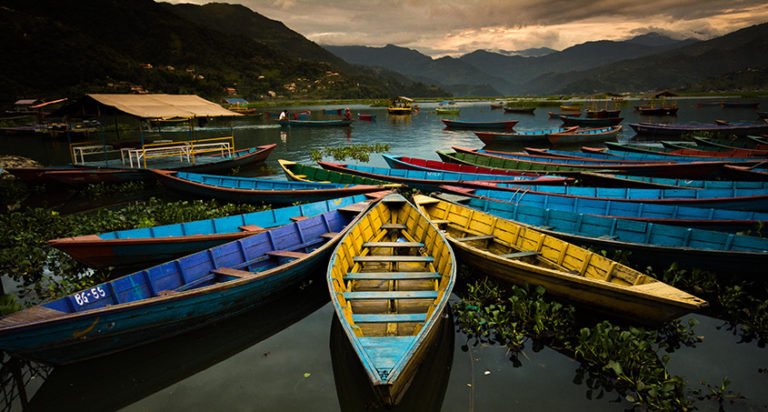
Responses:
[602,154]
[531,153]
[520,109]
[368,117]
[679,153]
[427,390]
[400,106]
[583,135]
[556,115]
[729,144]
[694,170]
[250,190]
[735,199]
[92,172]
[447,110]
[590,122]
[177,296]
[316,123]
[651,244]
[677,129]
[758,172]
[519,253]
[617,180]
[657,110]
[390,279]
[298,172]
[603,113]
[464,124]
[430,180]
[413,163]
[761,140]
[725,220]
[495,106]
[149,369]
[150,245]
[570,107]
[710,151]
[522,136]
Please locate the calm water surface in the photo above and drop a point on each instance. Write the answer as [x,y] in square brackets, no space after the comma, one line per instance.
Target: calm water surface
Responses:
[289,355]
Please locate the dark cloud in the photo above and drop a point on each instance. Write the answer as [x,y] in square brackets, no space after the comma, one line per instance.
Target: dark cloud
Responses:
[440,27]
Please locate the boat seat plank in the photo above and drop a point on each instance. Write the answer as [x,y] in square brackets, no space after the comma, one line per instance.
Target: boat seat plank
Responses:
[390,318]
[393,244]
[393,226]
[412,294]
[33,314]
[522,254]
[329,235]
[300,176]
[471,238]
[391,275]
[376,258]
[233,272]
[286,254]
[354,208]
[252,228]
[299,218]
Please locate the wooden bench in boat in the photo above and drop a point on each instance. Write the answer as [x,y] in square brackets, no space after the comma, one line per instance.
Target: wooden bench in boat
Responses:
[393,244]
[354,208]
[298,218]
[391,275]
[390,318]
[522,254]
[287,254]
[438,222]
[393,226]
[383,258]
[410,294]
[471,238]
[252,228]
[329,235]
[233,272]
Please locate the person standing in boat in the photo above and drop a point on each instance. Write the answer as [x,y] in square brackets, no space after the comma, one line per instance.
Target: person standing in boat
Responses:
[283,116]
[347,114]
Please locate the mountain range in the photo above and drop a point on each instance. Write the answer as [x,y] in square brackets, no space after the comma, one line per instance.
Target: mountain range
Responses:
[508,73]
[53,48]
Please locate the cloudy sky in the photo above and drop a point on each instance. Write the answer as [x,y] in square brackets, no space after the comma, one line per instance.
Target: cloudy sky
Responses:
[455,27]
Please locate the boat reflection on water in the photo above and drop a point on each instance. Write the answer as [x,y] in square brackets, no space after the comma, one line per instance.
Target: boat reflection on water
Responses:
[115,381]
[426,391]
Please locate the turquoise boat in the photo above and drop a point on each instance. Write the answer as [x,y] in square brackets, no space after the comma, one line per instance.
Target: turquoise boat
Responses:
[176,296]
[251,190]
[430,180]
[736,199]
[698,217]
[649,243]
[150,245]
[618,180]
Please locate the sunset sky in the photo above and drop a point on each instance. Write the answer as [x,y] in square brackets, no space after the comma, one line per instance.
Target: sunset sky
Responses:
[455,27]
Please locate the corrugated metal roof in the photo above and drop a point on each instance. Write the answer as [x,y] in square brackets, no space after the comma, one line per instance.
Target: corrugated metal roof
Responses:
[163,106]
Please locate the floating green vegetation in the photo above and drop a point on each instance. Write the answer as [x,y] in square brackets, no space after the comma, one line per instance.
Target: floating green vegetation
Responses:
[44,272]
[613,358]
[360,152]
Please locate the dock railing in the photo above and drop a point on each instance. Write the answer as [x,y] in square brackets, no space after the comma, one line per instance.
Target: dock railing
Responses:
[186,152]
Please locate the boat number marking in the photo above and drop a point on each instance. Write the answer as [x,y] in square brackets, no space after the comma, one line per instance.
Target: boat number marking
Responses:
[94,293]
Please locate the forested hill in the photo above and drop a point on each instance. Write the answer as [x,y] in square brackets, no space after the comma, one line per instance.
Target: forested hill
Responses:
[57,48]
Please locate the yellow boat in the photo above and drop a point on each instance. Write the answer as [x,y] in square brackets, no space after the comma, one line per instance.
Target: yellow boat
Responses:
[400,105]
[447,110]
[520,254]
[390,278]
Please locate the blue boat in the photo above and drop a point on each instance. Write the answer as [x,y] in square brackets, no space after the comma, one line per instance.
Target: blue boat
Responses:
[649,243]
[618,180]
[601,154]
[176,296]
[150,245]
[736,199]
[251,190]
[714,219]
[429,180]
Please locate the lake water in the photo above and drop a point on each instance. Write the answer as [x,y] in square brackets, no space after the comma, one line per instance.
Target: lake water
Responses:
[289,356]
